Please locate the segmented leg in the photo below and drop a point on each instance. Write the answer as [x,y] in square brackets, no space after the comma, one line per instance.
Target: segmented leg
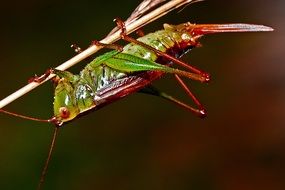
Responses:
[110,46]
[58,73]
[153,91]
[41,78]
[201,108]
[200,111]
[50,71]
[127,38]
[77,50]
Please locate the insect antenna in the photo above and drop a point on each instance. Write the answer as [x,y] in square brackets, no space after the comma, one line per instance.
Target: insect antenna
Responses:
[26,117]
[51,148]
[52,144]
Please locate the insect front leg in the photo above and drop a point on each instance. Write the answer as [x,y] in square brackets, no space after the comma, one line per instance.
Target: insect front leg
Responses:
[58,73]
[39,79]
[109,46]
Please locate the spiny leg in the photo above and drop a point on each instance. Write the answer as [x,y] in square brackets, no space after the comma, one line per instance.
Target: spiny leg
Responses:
[58,73]
[202,111]
[124,36]
[109,46]
[153,91]
[77,49]
[41,78]
[191,95]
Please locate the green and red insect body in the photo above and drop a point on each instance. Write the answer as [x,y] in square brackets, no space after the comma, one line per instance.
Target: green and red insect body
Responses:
[131,69]
[116,74]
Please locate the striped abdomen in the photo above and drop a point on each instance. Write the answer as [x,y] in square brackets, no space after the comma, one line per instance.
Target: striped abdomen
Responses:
[163,40]
[109,84]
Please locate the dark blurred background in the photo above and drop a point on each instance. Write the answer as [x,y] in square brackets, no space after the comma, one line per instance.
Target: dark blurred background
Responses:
[143,142]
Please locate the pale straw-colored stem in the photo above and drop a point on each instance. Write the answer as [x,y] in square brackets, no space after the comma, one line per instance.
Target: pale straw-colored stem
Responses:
[155,14]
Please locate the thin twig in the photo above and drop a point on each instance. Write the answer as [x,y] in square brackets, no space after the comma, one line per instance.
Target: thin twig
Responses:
[155,14]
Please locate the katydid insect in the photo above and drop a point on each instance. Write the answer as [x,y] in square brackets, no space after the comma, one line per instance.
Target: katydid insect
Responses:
[131,69]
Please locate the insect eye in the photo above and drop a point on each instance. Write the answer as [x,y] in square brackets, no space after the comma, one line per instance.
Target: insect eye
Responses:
[64,113]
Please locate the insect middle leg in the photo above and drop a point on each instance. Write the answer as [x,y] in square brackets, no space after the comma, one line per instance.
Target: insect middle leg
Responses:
[151,90]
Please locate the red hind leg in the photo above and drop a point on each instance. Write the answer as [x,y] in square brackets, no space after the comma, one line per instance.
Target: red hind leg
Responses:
[127,38]
[201,110]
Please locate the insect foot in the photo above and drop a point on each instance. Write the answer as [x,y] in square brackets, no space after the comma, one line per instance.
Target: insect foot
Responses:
[109,46]
[39,79]
[207,77]
[202,113]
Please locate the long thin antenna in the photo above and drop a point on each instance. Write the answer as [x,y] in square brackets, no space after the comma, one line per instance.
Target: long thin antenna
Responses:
[51,148]
[25,117]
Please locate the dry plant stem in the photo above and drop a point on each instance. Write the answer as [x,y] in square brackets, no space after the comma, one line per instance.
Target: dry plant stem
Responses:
[155,14]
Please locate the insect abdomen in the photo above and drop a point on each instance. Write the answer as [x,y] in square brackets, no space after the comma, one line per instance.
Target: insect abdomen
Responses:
[103,77]
[162,40]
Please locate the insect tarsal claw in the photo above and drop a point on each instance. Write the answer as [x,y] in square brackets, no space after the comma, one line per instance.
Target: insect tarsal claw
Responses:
[32,79]
[202,113]
[39,79]
[207,77]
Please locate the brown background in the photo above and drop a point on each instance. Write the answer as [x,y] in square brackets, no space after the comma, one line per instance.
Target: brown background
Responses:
[143,142]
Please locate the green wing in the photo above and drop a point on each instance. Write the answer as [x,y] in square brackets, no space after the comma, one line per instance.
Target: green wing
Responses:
[129,63]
